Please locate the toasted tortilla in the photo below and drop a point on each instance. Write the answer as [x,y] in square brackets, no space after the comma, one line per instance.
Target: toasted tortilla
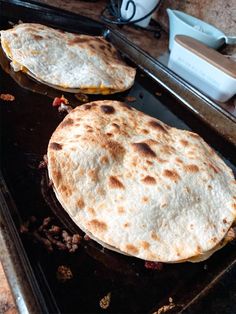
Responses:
[66,61]
[140,187]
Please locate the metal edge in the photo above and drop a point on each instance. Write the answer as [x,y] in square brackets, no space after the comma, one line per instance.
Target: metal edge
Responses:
[207,289]
[23,284]
[218,119]
[47,11]
[18,273]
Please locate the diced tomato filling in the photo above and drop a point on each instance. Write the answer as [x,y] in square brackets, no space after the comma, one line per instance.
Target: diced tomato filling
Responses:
[59,100]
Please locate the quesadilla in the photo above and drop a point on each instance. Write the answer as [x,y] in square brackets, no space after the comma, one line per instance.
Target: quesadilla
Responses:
[66,61]
[139,186]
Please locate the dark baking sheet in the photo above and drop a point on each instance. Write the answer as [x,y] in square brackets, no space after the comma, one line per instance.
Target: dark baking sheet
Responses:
[25,127]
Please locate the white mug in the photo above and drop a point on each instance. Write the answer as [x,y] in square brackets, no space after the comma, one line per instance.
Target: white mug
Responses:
[143,7]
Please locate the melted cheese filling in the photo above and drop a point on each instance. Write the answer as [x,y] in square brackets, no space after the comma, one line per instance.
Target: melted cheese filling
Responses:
[97,90]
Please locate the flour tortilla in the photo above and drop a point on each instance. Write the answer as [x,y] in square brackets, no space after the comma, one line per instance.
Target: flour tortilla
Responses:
[140,187]
[66,61]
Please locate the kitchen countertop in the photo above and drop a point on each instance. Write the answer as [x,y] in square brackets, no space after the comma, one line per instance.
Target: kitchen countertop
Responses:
[7,304]
[156,47]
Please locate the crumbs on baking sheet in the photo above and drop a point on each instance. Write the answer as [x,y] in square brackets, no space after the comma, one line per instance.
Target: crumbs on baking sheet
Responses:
[82,97]
[130,98]
[50,235]
[105,301]
[165,308]
[64,273]
[7,97]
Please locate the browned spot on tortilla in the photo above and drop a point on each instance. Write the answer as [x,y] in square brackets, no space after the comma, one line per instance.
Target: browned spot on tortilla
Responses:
[214,168]
[97,225]
[198,249]
[154,236]
[157,125]
[91,211]
[115,125]
[149,180]
[214,239]
[55,146]
[224,221]
[87,107]
[209,187]
[93,174]
[161,161]
[144,149]
[115,183]
[66,190]
[107,109]
[163,205]
[234,206]
[67,122]
[37,37]
[149,162]
[193,135]
[167,149]
[77,40]
[127,224]
[145,245]
[172,175]
[102,47]
[131,249]
[57,176]
[144,131]
[114,147]
[80,203]
[145,199]
[191,168]
[109,134]
[121,210]
[187,189]
[101,191]
[92,46]
[191,226]
[184,142]
[104,160]
[234,197]
[179,160]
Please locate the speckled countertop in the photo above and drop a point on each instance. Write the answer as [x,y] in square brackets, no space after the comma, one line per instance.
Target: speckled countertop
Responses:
[223,17]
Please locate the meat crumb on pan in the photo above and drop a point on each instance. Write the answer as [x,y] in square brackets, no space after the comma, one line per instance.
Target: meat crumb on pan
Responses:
[165,308]
[82,97]
[130,98]
[153,265]
[7,97]
[50,235]
[43,163]
[86,237]
[105,301]
[64,273]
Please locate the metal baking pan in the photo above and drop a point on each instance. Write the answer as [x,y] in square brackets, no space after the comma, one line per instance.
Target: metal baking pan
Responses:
[25,128]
